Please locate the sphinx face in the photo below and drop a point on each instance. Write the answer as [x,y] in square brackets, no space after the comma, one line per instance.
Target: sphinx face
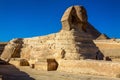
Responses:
[75,17]
[79,18]
[81,13]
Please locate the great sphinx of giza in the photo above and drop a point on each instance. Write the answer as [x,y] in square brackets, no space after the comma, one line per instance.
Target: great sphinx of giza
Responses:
[78,48]
[72,42]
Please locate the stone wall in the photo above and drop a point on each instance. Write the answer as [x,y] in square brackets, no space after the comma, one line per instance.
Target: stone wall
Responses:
[38,47]
[110,48]
[92,67]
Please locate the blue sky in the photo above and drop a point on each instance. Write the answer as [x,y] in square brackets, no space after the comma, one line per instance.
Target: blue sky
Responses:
[28,18]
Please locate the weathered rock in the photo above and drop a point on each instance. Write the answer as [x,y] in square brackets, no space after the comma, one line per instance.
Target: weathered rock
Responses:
[104,68]
[74,17]
[110,48]
[24,62]
[12,49]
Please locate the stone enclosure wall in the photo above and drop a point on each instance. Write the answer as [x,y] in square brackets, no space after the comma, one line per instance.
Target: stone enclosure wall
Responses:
[90,67]
[110,48]
[103,68]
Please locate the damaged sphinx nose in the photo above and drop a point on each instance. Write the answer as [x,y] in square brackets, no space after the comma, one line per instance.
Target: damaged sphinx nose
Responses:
[75,17]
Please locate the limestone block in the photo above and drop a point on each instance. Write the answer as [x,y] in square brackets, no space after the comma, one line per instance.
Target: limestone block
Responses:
[24,62]
[92,67]
[15,62]
[25,52]
[52,65]
[41,66]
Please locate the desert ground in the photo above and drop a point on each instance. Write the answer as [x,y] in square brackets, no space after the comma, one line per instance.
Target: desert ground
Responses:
[10,72]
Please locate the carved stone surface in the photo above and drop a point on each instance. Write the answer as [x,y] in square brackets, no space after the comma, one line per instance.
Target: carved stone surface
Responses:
[74,17]
[12,49]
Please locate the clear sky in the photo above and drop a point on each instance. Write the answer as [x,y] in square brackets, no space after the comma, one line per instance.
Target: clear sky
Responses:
[29,18]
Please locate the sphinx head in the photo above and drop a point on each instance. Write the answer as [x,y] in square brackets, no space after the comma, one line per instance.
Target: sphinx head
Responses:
[74,17]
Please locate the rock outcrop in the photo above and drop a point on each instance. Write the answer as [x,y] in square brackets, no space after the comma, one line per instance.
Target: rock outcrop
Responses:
[12,49]
[2,45]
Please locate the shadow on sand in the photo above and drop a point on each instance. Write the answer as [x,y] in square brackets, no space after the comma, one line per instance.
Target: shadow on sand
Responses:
[10,72]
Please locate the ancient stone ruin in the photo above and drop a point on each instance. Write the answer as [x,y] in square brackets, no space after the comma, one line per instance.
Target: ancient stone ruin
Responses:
[77,41]
[74,41]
